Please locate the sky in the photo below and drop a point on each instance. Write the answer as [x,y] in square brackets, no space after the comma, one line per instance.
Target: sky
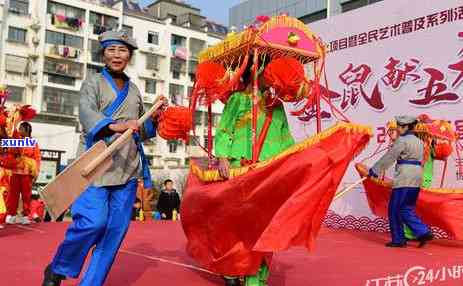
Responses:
[215,10]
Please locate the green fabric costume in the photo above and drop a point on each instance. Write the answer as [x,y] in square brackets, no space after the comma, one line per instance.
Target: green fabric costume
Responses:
[233,139]
[428,172]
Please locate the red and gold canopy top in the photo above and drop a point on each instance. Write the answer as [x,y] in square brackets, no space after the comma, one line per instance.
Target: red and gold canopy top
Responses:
[276,36]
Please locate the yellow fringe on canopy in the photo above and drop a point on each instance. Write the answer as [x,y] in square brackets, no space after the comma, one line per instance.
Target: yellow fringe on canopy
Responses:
[285,21]
[235,41]
[444,191]
[213,175]
[231,42]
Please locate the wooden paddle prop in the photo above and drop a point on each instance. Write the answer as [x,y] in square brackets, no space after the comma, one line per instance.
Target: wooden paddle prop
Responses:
[59,194]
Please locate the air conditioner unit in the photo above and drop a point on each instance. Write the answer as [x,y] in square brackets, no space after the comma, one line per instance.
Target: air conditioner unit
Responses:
[35,25]
[14,10]
[151,49]
[146,98]
[35,40]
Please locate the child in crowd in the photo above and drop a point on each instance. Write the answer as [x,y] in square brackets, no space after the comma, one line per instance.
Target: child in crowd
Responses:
[136,209]
[169,200]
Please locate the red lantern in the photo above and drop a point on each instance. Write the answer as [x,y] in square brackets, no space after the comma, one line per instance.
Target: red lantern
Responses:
[286,76]
[175,123]
[442,150]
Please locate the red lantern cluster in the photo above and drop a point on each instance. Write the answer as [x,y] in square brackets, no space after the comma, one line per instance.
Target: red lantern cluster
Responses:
[286,76]
[442,150]
[175,123]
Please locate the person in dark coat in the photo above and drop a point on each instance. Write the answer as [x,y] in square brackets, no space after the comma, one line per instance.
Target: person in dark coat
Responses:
[169,201]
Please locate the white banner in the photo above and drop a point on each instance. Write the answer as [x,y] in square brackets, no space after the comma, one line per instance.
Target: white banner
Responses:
[387,59]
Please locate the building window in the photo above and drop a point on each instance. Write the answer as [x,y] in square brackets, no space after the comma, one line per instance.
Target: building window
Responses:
[355,4]
[16,64]
[173,144]
[177,67]
[194,140]
[63,67]
[128,30]
[66,17]
[17,34]
[153,38]
[16,93]
[65,10]
[206,141]
[56,38]
[196,46]
[178,41]
[95,47]
[150,86]
[192,65]
[102,23]
[92,70]
[20,7]
[152,62]
[60,101]
[173,17]
[59,79]
[176,93]
[198,118]
[189,92]
[313,17]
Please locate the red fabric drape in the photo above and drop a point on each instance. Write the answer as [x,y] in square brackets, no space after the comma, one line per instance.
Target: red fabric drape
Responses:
[444,210]
[232,225]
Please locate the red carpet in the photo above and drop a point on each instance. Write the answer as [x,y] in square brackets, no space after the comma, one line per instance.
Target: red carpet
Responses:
[153,254]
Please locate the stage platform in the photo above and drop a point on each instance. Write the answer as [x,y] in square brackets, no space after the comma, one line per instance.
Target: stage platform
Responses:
[153,254]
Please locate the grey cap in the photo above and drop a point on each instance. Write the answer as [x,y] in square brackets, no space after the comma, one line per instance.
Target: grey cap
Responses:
[405,119]
[120,36]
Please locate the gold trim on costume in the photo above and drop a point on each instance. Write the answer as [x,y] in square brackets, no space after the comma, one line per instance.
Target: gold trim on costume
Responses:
[213,175]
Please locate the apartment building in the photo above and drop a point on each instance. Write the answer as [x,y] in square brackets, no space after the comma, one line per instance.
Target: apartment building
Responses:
[49,47]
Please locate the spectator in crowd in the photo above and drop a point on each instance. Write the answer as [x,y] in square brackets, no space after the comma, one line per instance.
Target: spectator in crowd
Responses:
[169,200]
[136,209]
[25,173]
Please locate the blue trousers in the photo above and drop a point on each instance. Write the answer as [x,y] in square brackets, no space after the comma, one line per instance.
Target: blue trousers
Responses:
[402,211]
[101,217]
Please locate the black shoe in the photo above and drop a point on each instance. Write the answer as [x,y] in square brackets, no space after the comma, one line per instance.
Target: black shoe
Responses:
[50,278]
[393,244]
[424,239]
[232,281]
